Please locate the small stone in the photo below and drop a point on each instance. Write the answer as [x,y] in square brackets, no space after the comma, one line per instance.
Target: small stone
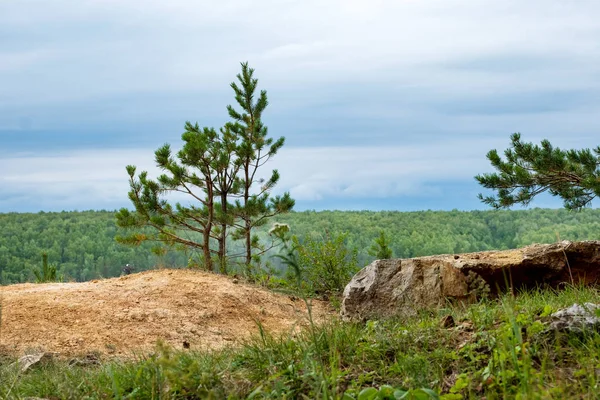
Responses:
[88,360]
[235,280]
[29,360]
[577,318]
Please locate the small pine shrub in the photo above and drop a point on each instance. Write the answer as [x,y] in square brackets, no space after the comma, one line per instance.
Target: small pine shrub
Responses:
[47,273]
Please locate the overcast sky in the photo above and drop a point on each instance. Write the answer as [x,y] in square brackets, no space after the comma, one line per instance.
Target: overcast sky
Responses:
[385,104]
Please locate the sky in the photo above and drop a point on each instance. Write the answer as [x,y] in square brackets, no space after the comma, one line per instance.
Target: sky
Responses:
[384,104]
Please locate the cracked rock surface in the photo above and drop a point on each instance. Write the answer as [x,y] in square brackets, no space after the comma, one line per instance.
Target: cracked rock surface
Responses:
[402,287]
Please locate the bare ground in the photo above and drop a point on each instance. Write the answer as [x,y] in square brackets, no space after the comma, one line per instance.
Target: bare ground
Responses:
[128,315]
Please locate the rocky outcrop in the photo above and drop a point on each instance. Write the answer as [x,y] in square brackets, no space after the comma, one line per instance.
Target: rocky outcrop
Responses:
[402,287]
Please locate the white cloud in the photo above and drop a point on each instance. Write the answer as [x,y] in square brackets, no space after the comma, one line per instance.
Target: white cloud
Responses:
[377,172]
[70,180]
[98,179]
[134,45]
[378,69]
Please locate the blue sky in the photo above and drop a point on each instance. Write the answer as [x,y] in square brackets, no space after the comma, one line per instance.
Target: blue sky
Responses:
[385,104]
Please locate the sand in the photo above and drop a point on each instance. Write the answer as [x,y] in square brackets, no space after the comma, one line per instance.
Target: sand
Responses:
[126,316]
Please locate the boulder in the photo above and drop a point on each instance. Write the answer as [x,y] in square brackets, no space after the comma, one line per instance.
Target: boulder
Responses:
[402,287]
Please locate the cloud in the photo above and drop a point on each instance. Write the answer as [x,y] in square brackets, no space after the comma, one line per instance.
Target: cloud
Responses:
[370,92]
[133,45]
[375,172]
[88,179]
[84,179]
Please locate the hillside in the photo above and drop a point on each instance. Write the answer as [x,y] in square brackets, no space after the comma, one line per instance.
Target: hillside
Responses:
[82,244]
[124,315]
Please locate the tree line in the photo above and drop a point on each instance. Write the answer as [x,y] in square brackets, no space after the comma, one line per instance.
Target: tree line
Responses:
[82,244]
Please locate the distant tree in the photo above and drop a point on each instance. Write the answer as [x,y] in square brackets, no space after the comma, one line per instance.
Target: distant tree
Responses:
[64,236]
[254,150]
[380,249]
[573,175]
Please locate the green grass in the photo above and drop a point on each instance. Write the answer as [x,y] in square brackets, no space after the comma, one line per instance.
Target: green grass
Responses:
[497,350]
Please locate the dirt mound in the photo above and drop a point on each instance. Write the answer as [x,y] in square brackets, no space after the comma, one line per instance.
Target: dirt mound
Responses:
[127,315]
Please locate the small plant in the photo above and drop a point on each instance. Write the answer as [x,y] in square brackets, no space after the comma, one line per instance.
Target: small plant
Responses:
[326,266]
[47,273]
[386,392]
[380,248]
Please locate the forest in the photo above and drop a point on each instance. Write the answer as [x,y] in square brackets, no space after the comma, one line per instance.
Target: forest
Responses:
[82,245]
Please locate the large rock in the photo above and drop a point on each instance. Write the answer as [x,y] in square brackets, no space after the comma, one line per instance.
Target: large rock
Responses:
[402,287]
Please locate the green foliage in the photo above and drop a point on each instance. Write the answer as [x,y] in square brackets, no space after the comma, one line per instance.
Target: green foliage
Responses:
[380,249]
[254,150]
[82,244]
[191,172]
[212,169]
[387,392]
[47,273]
[422,233]
[573,175]
[325,265]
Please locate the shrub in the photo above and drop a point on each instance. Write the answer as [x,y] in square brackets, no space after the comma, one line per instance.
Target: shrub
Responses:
[326,266]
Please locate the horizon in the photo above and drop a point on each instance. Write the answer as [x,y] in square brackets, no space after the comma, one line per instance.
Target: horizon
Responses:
[519,209]
[385,105]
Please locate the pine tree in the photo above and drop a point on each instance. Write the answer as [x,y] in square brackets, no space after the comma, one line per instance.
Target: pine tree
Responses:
[217,170]
[573,175]
[254,150]
[226,184]
[380,249]
[193,174]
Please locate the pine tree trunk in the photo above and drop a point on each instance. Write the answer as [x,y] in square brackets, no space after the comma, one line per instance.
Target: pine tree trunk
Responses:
[248,248]
[208,227]
[248,225]
[206,249]
[223,238]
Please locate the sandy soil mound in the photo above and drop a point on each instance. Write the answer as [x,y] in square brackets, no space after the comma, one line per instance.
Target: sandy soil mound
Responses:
[129,314]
